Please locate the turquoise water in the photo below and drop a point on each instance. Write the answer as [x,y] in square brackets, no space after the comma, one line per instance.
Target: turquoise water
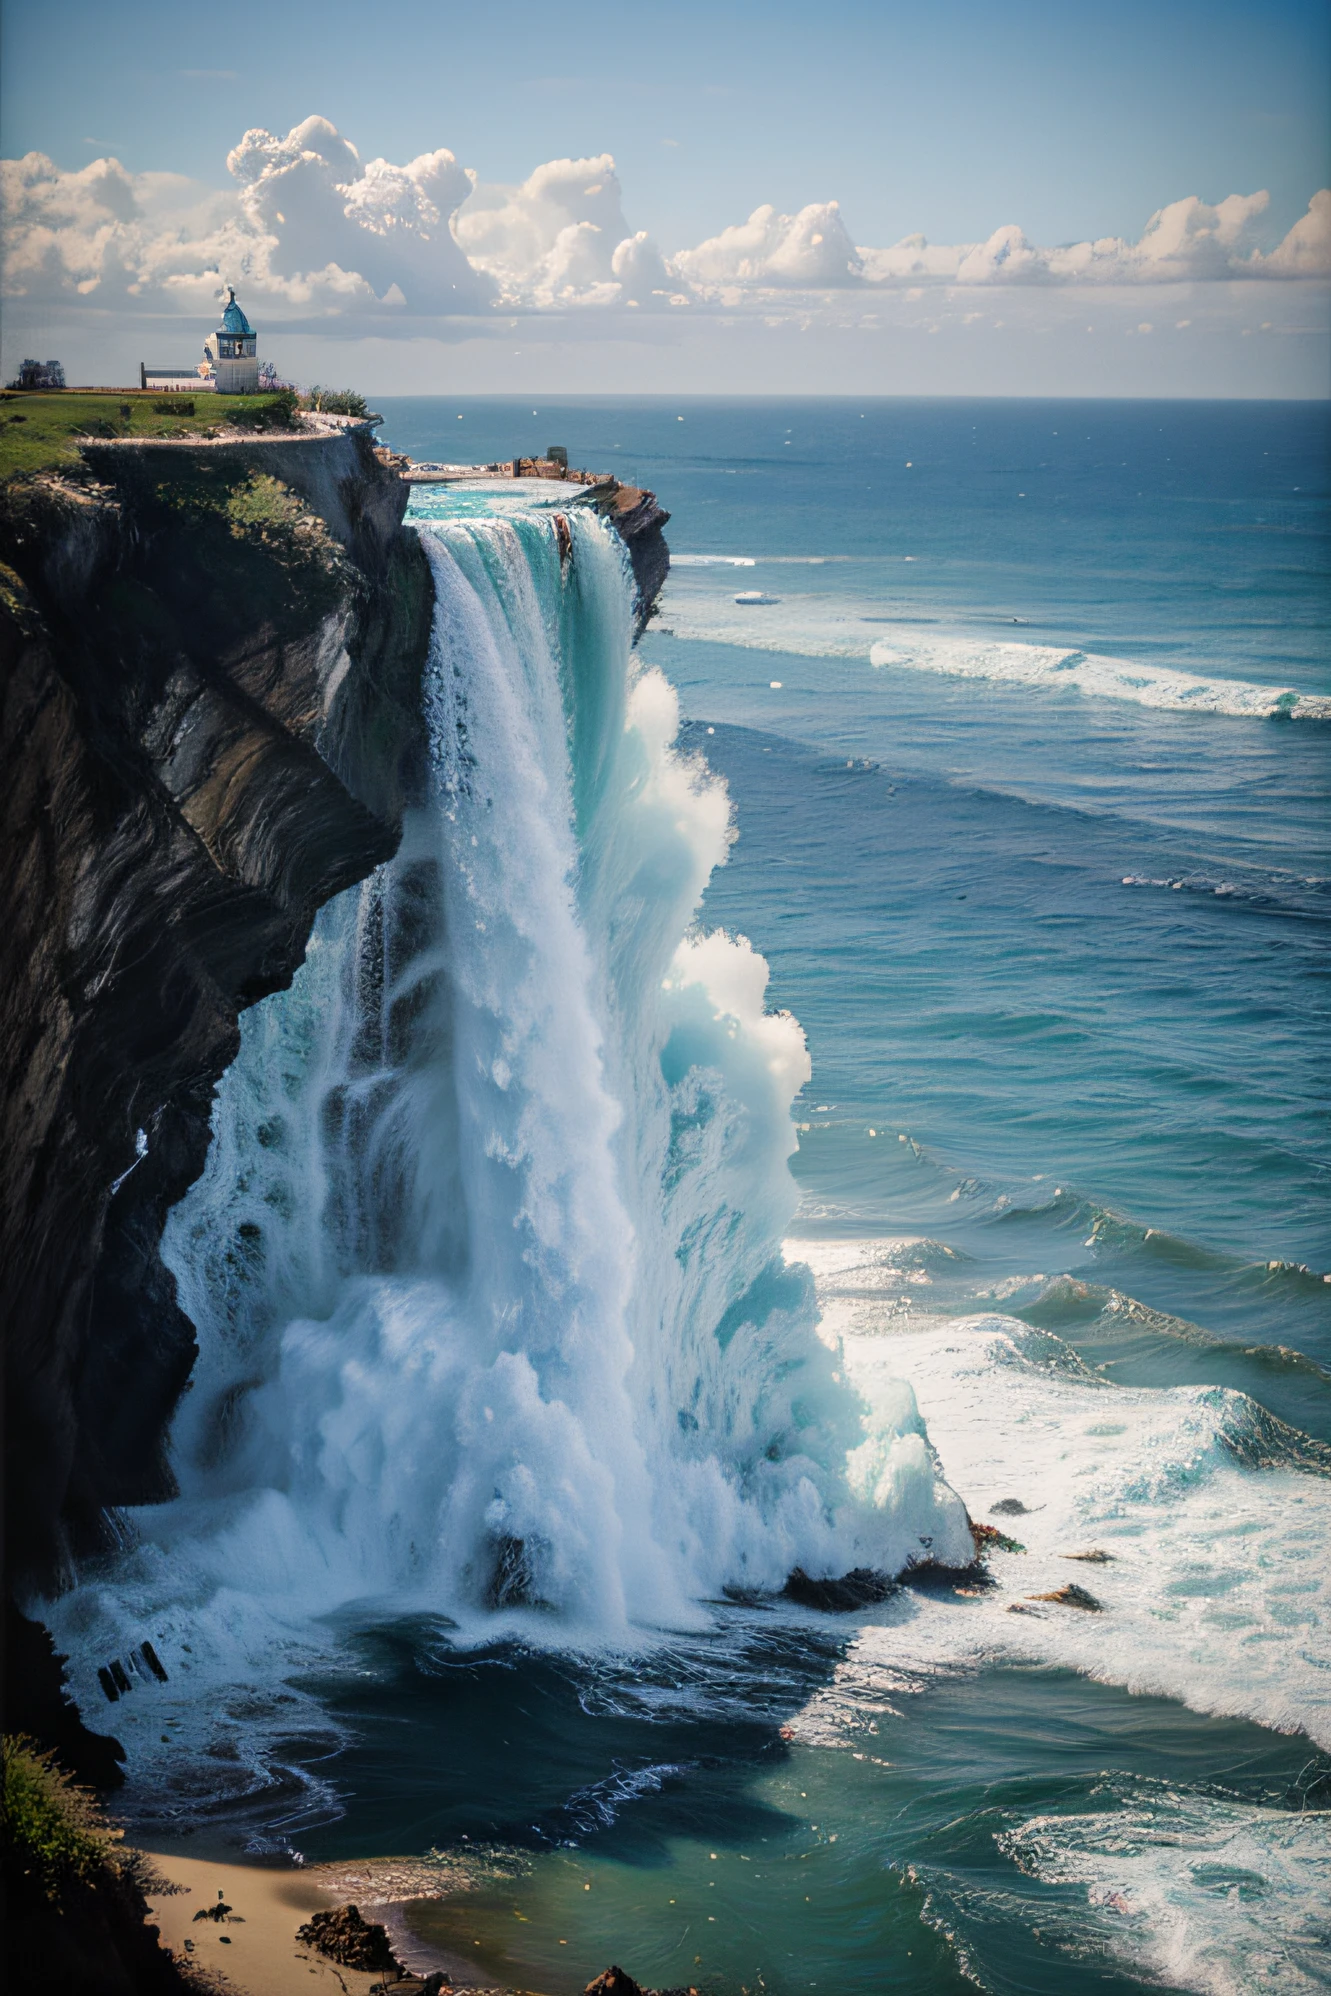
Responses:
[1026,749]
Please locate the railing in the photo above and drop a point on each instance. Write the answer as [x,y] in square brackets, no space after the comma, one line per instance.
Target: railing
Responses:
[173,378]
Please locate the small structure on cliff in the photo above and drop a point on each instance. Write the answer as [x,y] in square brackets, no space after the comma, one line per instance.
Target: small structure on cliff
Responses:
[230,361]
[233,351]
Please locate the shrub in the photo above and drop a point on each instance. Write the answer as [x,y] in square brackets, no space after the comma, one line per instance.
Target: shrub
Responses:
[275,412]
[335,402]
[54,1832]
[263,503]
[173,405]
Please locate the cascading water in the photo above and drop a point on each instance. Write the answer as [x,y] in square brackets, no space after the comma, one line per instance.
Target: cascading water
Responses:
[486,1262]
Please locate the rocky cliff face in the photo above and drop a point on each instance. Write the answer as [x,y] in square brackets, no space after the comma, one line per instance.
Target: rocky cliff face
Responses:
[210,662]
[640,522]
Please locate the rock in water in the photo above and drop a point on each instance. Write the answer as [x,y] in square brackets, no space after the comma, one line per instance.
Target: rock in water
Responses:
[614,1982]
[859,1588]
[1071,1596]
[346,1938]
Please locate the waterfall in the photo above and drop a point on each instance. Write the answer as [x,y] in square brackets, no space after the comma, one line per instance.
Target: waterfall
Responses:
[486,1262]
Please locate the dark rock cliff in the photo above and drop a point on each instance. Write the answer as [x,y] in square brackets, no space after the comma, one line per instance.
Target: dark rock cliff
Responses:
[210,660]
[640,522]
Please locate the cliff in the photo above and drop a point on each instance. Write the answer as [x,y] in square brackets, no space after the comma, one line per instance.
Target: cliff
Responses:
[640,522]
[210,659]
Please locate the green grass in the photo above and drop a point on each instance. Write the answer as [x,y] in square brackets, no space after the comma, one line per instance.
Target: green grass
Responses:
[43,432]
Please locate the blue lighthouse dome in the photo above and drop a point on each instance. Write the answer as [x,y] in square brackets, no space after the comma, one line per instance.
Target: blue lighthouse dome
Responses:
[233,319]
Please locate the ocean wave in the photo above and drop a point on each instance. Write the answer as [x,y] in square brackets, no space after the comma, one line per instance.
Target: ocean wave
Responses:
[751,561]
[1109,1231]
[1053,668]
[1089,1308]
[1209,1517]
[1284,892]
[1195,1890]
[596,1806]
[819,625]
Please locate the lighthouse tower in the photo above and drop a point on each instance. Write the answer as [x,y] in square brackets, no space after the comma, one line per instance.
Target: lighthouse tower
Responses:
[232,351]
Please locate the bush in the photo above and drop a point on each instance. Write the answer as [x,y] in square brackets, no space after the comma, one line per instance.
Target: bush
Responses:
[276,412]
[173,405]
[55,1834]
[335,402]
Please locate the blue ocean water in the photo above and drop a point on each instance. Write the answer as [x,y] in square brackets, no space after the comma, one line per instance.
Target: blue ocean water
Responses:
[1024,731]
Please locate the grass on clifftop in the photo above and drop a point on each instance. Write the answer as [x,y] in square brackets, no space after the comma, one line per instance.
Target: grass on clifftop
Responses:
[43,432]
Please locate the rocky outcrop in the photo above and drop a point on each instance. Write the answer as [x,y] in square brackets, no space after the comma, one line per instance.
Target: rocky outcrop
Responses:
[210,662]
[640,523]
[345,1937]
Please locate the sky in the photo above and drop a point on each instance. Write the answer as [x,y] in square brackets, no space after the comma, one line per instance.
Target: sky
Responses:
[886,198]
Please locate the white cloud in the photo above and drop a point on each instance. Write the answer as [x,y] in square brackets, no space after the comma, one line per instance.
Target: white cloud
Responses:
[1306,250]
[317,214]
[314,237]
[1186,242]
[810,251]
[641,272]
[560,240]
[514,232]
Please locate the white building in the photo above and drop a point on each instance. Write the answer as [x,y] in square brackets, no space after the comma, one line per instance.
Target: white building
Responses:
[232,349]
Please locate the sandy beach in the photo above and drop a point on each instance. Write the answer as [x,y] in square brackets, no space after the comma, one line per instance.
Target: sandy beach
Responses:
[254,1951]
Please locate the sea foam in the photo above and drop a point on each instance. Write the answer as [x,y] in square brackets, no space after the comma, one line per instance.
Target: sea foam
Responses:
[1214,1589]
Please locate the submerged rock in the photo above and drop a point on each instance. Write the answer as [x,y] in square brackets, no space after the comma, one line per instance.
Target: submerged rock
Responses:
[1008,1507]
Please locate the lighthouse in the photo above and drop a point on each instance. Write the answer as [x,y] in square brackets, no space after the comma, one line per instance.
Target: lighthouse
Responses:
[232,351]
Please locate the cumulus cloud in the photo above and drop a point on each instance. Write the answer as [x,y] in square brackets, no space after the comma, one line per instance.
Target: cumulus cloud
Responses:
[1306,250]
[561,240]
[318,214]
[313,235]
[809,251]
[1186,242]
[309,229]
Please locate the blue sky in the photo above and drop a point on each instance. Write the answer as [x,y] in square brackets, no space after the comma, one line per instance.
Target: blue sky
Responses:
[1074,122]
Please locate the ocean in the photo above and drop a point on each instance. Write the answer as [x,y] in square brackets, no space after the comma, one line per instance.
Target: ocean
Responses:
[854,1063]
